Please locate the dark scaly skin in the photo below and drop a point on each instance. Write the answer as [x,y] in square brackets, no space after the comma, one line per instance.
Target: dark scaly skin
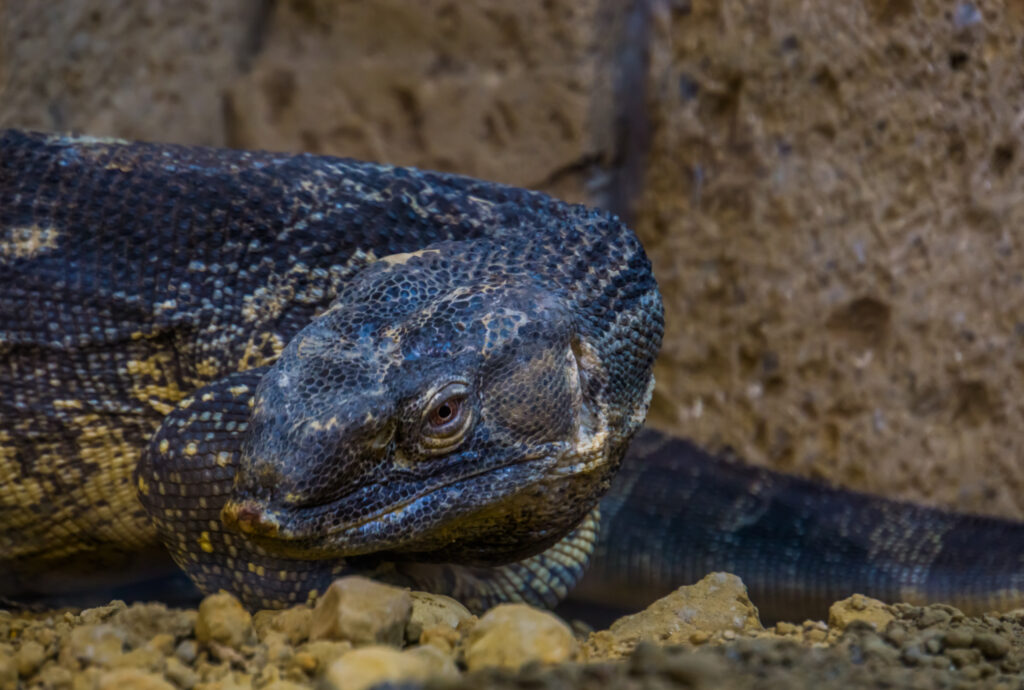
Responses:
[143,281]
[676,512]
[104,350]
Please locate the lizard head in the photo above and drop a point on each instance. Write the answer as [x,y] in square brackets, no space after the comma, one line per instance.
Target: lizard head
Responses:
[438,409]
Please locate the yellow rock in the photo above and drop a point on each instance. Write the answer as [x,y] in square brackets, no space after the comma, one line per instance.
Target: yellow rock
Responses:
[432,610]
[294,622]
[368,666]
[223,619]
[693,614]
[858,608]
[361,611]
[511,635]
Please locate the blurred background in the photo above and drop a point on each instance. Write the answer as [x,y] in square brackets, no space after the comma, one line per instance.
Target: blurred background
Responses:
[832,193]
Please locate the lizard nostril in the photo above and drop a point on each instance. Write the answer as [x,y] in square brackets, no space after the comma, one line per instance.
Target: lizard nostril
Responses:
[248,518]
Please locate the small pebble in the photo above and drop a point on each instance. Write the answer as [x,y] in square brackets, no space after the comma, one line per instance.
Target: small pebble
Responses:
[323,652]
[958,638]
[366,667]
[30,657]
[440,636]
[992,646]
[8,671]
[430,610]
[53,676]
[180,674]
[186,651]
[293,622]
[914,655]
[163,643]
[695,671]
[94,644]
[646,657]
[305,661]
[896,633]
[963,657]
[512,635]
[933,616]
[223,620]
[816,635]
[971,673]
[361,611]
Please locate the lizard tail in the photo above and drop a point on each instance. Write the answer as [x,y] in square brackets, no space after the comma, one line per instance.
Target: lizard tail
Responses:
[675,513]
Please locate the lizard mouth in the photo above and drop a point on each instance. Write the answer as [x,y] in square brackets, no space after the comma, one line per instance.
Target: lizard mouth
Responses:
[317,531]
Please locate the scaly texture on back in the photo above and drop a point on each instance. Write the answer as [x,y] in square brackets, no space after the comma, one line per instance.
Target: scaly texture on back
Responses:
[135,275]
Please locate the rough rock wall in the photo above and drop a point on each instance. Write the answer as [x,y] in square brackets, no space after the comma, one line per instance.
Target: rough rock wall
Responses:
[832,193]
[835,206]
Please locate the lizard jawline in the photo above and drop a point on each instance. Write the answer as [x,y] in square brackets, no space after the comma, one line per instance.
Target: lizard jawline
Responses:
[363,536]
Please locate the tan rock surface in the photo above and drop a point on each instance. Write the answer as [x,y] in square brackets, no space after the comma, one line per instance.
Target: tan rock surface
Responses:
[499,90]
[368,666]
[94,644]
[293,622]
[361,611]
[859,608]
[513,635]
[430,611]
[317,655]
[222,620]
[831,206]
[690,615]
[151,70]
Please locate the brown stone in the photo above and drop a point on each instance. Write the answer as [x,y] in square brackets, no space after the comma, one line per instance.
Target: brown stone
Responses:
[293,622]
[99,644]
[223,620]
[859,608]
[368,666]
[717,604]
[361,611]
[29,658]
[512,635]
[8,671]
[433,610]
[318,654]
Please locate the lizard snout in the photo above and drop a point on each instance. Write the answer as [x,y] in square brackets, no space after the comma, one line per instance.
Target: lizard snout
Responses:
[249,518]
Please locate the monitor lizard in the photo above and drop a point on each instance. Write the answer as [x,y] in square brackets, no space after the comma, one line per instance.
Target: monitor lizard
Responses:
[279,368]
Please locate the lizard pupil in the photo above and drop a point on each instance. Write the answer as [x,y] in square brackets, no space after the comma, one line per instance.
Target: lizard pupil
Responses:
[445,412]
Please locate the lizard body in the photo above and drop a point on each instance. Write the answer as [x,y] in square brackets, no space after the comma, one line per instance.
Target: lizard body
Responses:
[341,359]
[282,367]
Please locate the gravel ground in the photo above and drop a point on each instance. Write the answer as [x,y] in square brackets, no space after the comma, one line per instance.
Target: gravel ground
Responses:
[360,634]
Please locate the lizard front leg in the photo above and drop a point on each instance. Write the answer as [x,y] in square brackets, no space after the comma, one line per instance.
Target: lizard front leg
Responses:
[183,481]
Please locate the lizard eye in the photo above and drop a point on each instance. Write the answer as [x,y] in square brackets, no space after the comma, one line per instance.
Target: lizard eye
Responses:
[446,413]
[447,418]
